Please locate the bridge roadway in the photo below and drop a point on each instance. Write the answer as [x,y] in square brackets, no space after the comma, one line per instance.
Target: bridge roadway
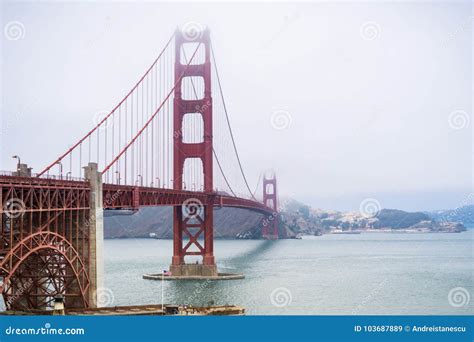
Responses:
[31,190]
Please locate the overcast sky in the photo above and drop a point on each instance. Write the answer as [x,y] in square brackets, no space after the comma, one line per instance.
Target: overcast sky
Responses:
[345,101]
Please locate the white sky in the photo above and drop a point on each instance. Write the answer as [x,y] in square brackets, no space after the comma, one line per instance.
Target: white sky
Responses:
[369,118]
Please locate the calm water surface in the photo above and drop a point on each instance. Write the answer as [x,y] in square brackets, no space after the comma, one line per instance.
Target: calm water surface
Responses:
[378,273]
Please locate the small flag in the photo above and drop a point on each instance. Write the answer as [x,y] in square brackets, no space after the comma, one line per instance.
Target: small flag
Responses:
[166,273]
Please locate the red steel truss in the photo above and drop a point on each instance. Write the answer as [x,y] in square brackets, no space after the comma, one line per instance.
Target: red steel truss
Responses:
[44,247]
[44,238]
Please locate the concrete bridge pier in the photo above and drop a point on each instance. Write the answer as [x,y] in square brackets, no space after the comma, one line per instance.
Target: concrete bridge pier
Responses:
[96,233]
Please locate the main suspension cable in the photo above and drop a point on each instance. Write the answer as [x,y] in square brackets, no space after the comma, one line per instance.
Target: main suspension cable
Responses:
[228,123]
[213,150]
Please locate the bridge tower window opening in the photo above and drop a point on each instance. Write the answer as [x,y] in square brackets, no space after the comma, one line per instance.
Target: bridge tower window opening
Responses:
[192,128]
[193,176]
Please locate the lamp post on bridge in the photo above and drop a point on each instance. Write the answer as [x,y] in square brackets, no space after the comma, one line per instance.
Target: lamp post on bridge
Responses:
[118,177]
[60,169]
[18,162]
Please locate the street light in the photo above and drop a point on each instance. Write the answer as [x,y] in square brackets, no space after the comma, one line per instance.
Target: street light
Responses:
[60,169]
[158,181]
[68,174]
[118,177]
[18,163]
[139,181]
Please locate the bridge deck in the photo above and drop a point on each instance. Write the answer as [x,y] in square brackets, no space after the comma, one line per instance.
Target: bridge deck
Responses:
[118,196]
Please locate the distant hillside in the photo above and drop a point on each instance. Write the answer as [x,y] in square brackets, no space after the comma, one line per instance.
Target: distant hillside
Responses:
[296,219]
[464,214]
[229,222]
[303,219]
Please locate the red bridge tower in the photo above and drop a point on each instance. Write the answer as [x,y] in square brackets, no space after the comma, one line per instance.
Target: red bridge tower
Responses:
[193,219]
[270,224]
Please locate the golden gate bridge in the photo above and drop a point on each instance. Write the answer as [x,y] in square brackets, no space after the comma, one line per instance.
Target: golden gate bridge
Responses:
[168,142]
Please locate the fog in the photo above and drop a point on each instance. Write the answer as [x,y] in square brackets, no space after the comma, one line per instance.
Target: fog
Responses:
[343,101]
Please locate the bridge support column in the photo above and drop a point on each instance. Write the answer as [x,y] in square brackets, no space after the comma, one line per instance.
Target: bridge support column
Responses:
[270,224]
[96,233]
[193,220]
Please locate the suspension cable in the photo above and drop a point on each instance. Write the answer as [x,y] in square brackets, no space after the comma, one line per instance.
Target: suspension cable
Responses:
[138,135]
[213,150]
[228,123]
[108,115]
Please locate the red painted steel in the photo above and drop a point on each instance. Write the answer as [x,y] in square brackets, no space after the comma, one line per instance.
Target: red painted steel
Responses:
[44,222]
[194,214]
[270,200]
[44,239]
[131,197]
